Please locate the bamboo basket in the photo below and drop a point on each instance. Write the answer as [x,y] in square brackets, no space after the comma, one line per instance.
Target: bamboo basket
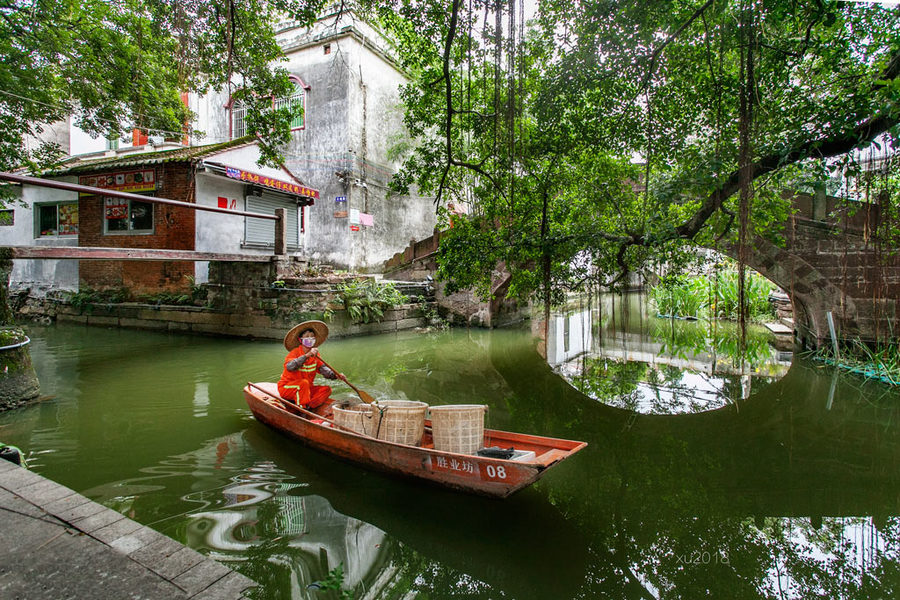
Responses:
[458,428]
[361,418]
[402,421]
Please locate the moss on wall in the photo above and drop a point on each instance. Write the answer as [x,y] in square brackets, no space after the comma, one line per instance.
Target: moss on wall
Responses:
[18,381]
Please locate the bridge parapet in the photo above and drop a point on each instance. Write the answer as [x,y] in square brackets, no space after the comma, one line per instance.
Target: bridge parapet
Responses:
[831,211]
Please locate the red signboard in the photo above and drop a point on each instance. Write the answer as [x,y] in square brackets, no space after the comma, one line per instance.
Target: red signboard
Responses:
[141,180]
[271,182]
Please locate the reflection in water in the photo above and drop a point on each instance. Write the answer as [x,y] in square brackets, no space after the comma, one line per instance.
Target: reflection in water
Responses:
[618,354]
[791,492]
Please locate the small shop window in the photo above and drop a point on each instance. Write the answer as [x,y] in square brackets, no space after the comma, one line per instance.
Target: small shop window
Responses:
[7,217]
[57,219]
[127,216]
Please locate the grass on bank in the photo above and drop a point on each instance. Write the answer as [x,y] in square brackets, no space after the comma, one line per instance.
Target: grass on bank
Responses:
[714,296]
[878,361]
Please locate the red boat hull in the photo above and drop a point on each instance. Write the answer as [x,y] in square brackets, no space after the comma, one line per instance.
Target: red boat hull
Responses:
[479,475]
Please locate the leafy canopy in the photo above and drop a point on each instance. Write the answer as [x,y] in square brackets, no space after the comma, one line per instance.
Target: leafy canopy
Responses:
[603,135]
[117,64]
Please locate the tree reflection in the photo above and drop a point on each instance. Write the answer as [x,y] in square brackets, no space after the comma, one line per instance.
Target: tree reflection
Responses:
[725,504]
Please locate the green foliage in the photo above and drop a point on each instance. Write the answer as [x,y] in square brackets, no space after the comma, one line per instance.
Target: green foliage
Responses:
[684,340]
[199,292]
[878,361]
[536,135]
[335,581]
[86,297]
[11,335]
[713,296]
[168,298]
[113,66]
[725,286]
[681,296]
[366,300]
[433,317]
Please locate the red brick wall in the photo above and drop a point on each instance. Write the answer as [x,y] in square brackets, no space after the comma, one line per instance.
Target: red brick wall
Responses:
[174,228]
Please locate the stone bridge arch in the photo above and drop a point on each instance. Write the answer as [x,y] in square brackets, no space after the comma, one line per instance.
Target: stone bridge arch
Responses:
[831,261]
[811,293]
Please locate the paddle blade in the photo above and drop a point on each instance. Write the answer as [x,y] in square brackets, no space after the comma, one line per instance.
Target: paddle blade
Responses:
[365,397]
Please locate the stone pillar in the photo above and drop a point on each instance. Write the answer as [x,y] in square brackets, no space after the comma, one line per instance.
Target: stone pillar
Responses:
[6,313]
[18,381]
[281,232]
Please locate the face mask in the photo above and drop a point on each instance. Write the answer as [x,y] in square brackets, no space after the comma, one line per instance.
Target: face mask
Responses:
[308,342]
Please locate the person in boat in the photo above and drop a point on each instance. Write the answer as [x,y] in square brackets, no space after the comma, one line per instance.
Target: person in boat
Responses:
[301,365]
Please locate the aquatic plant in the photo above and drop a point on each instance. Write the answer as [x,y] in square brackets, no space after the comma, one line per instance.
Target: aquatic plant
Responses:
[880,360]
[366,300]
[715,296]
[680,296]
[86,297]
[726,287]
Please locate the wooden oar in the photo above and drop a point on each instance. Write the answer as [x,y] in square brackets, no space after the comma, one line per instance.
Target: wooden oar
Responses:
[362,395]
[299,410]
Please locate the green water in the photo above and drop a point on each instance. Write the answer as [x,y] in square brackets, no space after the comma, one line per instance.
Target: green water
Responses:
[772,488]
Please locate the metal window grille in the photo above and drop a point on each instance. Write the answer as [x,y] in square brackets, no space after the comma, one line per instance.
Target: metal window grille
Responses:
[296,99]
[238,122]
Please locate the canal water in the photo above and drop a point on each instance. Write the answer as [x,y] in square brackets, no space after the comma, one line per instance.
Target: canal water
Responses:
[708,473]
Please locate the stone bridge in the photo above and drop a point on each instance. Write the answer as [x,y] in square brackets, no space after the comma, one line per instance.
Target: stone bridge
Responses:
[832,261]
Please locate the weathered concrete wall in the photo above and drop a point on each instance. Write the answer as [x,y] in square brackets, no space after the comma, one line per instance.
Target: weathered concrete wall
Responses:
[220,232]
[206,321]
[40,276]
[18,381]
[353,120]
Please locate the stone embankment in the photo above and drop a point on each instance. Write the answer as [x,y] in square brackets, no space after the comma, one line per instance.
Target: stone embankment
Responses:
[244,300]
[55,543]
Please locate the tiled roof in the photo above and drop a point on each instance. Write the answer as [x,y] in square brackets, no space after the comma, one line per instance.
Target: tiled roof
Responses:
[184,154]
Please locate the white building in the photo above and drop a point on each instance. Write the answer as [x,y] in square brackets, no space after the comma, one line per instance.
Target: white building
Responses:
[349,86]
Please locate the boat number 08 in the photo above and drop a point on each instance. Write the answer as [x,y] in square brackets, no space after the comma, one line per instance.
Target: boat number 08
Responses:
[498,472]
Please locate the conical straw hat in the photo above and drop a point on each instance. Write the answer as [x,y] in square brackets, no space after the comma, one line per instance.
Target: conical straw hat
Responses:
[292,339]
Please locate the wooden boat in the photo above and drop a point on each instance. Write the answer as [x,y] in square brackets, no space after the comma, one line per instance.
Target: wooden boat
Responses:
[470,473]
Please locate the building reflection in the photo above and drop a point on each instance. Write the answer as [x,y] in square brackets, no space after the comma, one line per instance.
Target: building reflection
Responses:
[308,536]
[652,365]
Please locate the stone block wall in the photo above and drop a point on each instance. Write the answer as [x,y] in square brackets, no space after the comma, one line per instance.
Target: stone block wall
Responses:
[242,302]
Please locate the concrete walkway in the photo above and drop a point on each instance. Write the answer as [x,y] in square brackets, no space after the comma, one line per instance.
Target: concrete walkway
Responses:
[56,544]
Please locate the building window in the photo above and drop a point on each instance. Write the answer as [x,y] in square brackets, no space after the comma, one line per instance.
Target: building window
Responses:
[298,98]
[57,219]
[127,216]
[238,110]
[238,120]
[7,217]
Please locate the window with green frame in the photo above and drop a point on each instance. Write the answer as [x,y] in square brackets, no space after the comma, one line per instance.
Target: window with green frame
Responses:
[55,219]
[238,110]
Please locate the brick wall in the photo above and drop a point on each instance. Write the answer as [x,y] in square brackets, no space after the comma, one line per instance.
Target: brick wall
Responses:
[173,228]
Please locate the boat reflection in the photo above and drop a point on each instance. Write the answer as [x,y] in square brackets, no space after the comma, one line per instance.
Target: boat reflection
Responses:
[522,547]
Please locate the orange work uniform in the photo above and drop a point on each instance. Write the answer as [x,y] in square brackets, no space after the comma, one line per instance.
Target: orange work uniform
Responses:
[297,386]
